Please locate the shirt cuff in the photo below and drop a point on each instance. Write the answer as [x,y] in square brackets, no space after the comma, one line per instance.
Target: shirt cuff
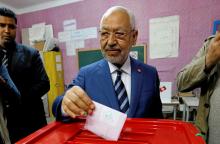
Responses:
[63,113]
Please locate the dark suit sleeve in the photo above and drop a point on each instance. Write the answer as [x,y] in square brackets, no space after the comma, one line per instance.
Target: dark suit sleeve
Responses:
[157,105]
[41,83]
[56,108]
[8,84]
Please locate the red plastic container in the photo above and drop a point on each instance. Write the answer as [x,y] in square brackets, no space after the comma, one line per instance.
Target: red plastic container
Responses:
[135,131]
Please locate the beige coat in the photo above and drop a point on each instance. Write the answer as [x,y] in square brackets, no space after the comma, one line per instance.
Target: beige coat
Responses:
[3,128]
[193,76]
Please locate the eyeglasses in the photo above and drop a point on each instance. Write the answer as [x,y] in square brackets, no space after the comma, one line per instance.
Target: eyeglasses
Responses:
[10,26]
[104,34]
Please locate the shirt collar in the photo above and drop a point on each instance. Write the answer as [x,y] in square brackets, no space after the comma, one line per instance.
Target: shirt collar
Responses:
[126,68]
[3,49]
[2,52]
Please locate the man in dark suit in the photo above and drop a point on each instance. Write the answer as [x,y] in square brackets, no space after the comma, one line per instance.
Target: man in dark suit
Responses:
[26,70]
[98,81]
[8,90]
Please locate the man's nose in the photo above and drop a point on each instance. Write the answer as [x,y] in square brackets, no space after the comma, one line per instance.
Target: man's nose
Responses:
[112,39]
[6,28]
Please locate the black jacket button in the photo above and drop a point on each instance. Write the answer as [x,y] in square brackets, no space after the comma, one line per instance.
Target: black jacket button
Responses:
[206,105]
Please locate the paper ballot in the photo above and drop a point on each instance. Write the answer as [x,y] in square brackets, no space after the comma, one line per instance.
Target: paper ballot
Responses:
[105,122]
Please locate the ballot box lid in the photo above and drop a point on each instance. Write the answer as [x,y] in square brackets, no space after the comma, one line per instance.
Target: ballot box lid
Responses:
[135,131]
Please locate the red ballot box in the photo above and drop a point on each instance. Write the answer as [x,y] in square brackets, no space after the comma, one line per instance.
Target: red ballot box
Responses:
[135,131]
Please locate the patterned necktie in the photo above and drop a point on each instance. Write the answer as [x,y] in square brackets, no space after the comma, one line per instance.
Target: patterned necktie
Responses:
[121,93]
[4,59]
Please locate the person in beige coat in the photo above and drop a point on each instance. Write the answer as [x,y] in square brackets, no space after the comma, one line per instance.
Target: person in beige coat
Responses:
[203,72]
[4,135]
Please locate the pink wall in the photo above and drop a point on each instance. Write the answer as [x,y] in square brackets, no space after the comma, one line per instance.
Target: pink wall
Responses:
[196,18]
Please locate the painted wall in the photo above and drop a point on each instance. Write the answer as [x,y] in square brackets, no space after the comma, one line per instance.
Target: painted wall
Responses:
[196,18]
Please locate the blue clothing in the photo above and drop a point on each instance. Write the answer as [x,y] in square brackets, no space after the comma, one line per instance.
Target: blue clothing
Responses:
[10,86]
[96,80]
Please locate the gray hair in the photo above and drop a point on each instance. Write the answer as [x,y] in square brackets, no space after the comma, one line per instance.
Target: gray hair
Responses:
[120,8]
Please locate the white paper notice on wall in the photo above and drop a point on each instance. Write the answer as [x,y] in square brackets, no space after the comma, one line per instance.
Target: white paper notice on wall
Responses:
[71,46]
[86,33]
[37,32]
[64,36]
[58,67]
[58,58]
[165,92]
[69,25]
[164,37]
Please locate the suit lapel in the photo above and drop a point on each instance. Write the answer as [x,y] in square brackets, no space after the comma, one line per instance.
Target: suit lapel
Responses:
[14,58]
[106,85]
[136,82]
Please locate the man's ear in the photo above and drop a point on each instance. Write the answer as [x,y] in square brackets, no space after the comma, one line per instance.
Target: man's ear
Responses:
[134,37]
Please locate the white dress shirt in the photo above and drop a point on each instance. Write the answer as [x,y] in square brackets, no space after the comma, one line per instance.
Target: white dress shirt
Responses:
[125,76]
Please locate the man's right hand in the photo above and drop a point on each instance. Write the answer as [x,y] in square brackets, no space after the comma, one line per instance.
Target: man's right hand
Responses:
[77,103]
[213,54]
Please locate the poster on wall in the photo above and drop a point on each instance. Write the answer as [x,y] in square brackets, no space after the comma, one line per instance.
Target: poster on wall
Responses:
[69,25]
[72,45]
[165,92]
[164,37]
[76,38]
[37,32]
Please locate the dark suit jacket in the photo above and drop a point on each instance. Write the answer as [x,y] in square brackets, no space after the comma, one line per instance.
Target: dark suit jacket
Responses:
[96,80]
[27,72]
[8,88]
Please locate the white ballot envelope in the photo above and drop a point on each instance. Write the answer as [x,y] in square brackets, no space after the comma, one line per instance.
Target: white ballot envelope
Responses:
[105,122]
